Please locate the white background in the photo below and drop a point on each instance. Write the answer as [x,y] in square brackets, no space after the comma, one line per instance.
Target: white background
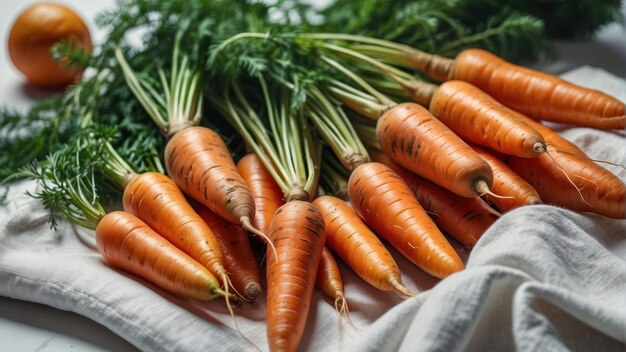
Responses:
[26,326]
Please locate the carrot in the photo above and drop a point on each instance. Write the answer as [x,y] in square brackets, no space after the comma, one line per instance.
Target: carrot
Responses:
[128,243]
[358,246]
[265,191]
[297,231]
[538,94]
[465,219]
[239,260]
[199,162]
[157,201]
[566,177]
[328,280]
[515,191]
[413,138]
[477,117]
[389,207]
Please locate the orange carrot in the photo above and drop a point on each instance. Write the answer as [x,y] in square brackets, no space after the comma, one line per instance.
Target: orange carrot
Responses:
[465,219]
[477,117]
[358,246]
[239,260]
[415,139]
[128,243]
[514,190]
[389,207]
[157,201]
[536,93]
[566,177]
[297,231]
[265,191]
[201,165]
[329,281]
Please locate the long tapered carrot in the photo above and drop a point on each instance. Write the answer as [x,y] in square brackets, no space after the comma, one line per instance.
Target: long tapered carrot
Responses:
[565,176]
[465,219]
[329,281]
[515,191]
[129,244]
[201,165]
[297,231]
[538,94]
[413,138]
[265,191]
[389,207]
[477,117]
[154,198]
[239,260]
[349,237]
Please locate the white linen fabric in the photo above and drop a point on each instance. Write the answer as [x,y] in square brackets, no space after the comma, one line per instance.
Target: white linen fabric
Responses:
[542,278]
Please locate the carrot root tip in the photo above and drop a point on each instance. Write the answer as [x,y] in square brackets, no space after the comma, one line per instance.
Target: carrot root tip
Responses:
[252,291]
[397,285]
[540,147]
[247,225]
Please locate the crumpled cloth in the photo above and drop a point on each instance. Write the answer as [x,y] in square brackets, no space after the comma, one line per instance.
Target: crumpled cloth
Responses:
[540,279]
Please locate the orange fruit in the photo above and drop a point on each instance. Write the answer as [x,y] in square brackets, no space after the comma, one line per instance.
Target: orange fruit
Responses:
[34,32]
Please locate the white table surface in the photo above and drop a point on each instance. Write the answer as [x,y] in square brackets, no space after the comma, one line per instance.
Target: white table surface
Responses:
[26,326]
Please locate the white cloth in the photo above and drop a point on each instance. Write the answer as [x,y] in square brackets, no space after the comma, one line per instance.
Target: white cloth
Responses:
[542,278]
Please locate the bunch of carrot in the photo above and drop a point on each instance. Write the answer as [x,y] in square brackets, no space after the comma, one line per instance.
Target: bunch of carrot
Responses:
[421,160]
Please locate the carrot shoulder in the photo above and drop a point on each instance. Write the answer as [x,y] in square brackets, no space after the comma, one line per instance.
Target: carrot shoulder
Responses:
[387,205]
[415,139]
[465,219]
[297,232]
[349,237]
[129,244]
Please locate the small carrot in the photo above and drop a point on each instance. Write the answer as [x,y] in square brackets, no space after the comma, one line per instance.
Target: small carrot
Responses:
[239,260]
[128,243]
[514,190]
[329,281]
[265,191]
[565,176]
[465,219]
[297,231]
[477,117]
[415,139]
[358,246]
[389,207]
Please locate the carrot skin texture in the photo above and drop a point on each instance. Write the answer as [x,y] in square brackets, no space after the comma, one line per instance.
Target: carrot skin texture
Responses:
[128,243]
[297,231]
[507,182]
[465,219]
[265,191]
[538,94]
[415,139]
[328,279]
[387,205]
[200,164]
[475,116]
[239,260]
[350,238]
[156,200]
[605,194]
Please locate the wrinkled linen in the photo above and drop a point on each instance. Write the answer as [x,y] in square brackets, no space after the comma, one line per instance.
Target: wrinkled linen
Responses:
[542,278]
